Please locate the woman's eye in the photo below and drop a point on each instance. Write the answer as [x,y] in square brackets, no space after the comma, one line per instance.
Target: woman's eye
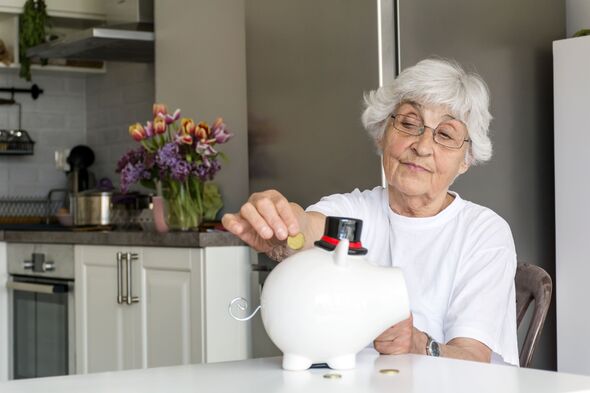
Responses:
[409,125]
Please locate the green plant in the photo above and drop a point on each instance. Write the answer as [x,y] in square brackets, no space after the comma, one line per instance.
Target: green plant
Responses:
[32,24]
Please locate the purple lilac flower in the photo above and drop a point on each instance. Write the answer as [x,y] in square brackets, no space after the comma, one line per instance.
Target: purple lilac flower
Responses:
[180,171]
[132,156]
[207,171]
[131,174]
[168,156]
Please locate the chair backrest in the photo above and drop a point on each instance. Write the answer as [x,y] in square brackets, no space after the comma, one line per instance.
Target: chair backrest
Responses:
[532,283]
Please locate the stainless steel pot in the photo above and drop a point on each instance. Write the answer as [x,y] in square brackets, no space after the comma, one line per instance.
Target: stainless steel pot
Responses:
[92,208]
[106,208]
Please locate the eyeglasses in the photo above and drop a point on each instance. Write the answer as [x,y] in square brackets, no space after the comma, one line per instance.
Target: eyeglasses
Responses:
[445,134]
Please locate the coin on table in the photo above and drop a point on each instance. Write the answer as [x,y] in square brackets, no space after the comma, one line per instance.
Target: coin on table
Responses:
[296,242]
[332,376]
[389,371]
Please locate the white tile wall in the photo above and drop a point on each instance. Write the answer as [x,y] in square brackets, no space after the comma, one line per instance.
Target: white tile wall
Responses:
[56,120]
[91,109]
[116,99]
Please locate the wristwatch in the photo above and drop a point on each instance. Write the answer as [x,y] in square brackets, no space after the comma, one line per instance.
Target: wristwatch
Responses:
[432,347]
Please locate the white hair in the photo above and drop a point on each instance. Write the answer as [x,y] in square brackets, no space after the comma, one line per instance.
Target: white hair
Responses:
[436,82]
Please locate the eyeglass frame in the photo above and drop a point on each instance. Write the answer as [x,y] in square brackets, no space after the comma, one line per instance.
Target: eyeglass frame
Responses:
[424,127]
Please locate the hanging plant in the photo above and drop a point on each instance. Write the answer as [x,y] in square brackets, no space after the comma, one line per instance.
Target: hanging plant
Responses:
[32,24]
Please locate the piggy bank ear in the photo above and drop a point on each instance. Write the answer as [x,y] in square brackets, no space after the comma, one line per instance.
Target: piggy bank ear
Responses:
[341,253]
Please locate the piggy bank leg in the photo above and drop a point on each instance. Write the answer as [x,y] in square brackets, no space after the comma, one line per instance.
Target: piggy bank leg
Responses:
[343,362]
[295,362]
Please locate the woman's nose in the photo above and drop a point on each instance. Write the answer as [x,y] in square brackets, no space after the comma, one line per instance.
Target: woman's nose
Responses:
[424,143]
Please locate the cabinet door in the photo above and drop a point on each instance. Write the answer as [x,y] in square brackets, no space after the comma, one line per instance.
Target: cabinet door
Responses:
[171,306]
[106,332]
[226,274]
[78,9]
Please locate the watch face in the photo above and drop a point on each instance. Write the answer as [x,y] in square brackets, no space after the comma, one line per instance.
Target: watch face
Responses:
[434,349]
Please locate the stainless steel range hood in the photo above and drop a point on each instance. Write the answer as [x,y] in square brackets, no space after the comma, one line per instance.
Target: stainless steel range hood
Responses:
[128,35]
[133,42]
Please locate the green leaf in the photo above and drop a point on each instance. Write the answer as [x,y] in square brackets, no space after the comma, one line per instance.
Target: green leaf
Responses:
[32,31]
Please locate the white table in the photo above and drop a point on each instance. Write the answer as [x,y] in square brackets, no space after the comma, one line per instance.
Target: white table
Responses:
[416,374]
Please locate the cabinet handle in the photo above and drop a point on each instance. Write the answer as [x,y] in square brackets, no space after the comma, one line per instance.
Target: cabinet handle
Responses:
[119,278]
[130,257]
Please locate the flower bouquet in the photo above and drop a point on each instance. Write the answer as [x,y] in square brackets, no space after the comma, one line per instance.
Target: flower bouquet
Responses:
[177,158]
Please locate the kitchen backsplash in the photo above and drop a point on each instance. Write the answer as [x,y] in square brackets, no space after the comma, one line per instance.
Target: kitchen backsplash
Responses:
[91,109]
[114,100]
[55,121]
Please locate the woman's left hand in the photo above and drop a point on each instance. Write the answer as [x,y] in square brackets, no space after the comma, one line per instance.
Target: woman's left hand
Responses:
[401,338]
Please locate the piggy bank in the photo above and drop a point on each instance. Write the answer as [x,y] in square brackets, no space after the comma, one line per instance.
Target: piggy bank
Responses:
[327,303]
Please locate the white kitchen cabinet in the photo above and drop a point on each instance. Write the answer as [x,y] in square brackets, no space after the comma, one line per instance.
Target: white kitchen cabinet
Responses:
[67,16]
[571,65]
[226,275]
[171,308]
[181,315]
[78,9]
[107,333]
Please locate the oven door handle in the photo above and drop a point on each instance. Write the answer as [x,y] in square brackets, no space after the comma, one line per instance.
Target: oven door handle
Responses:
[36,288]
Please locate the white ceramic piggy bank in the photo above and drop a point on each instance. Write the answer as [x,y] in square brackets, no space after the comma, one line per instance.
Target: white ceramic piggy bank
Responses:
[327,303]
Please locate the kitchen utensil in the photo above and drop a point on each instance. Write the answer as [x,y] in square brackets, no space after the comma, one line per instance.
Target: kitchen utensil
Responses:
[81,157]
[105,208]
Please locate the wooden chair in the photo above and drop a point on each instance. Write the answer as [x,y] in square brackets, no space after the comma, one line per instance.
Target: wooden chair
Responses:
[532,283]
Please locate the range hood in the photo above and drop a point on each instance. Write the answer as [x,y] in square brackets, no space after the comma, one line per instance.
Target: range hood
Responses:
[132,42]
[128,36]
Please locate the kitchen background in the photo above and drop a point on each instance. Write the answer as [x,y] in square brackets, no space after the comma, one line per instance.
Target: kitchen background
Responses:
[289,76]
[94,110]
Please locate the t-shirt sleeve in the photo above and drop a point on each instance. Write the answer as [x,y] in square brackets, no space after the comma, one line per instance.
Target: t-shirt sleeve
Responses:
[482,304]
[341,205]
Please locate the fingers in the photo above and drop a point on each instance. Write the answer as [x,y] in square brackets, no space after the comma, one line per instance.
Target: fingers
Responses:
[241,228]
[397,339]
[270,214]
[231,222]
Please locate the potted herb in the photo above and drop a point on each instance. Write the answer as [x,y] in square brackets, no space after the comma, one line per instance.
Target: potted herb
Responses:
[32,24]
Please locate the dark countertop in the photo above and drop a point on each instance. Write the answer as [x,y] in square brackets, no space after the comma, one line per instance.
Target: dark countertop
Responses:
[124,238]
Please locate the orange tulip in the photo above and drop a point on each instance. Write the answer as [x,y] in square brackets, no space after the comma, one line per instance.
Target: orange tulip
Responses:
[185,138]
[202,131]
[137,132]
[159,125]
[158,109]
[188,126]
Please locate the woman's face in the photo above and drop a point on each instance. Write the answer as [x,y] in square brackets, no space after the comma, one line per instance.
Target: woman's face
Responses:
[417,166]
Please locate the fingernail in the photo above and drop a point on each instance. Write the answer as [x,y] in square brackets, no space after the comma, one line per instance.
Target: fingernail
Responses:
[281,234]
[266,232]
[293,229]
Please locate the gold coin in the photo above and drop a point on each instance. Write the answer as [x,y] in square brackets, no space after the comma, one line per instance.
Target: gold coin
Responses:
[389,371]
[296,242]
[332,376]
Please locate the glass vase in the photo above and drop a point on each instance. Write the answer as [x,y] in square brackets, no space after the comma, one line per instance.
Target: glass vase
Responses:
[183,205]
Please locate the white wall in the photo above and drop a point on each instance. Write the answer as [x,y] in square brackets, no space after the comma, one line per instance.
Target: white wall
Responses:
[56,120]
[201,68]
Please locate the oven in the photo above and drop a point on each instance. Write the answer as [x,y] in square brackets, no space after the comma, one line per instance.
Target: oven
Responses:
[41,299]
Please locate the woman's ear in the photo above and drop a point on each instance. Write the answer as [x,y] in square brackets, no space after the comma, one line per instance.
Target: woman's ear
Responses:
[379,143]
[463,167]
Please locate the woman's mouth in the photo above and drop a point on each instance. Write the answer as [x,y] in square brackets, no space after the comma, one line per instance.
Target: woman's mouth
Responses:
[415,167]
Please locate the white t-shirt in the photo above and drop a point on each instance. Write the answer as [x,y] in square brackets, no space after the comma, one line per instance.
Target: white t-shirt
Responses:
[459,265]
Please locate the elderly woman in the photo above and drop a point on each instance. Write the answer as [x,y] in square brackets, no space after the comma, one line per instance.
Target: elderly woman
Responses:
[458,257]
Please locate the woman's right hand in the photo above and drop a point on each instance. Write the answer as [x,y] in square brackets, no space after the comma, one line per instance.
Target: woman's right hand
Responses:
[266,220]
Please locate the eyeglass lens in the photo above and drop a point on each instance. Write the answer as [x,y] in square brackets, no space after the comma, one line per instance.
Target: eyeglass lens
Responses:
[446,133]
